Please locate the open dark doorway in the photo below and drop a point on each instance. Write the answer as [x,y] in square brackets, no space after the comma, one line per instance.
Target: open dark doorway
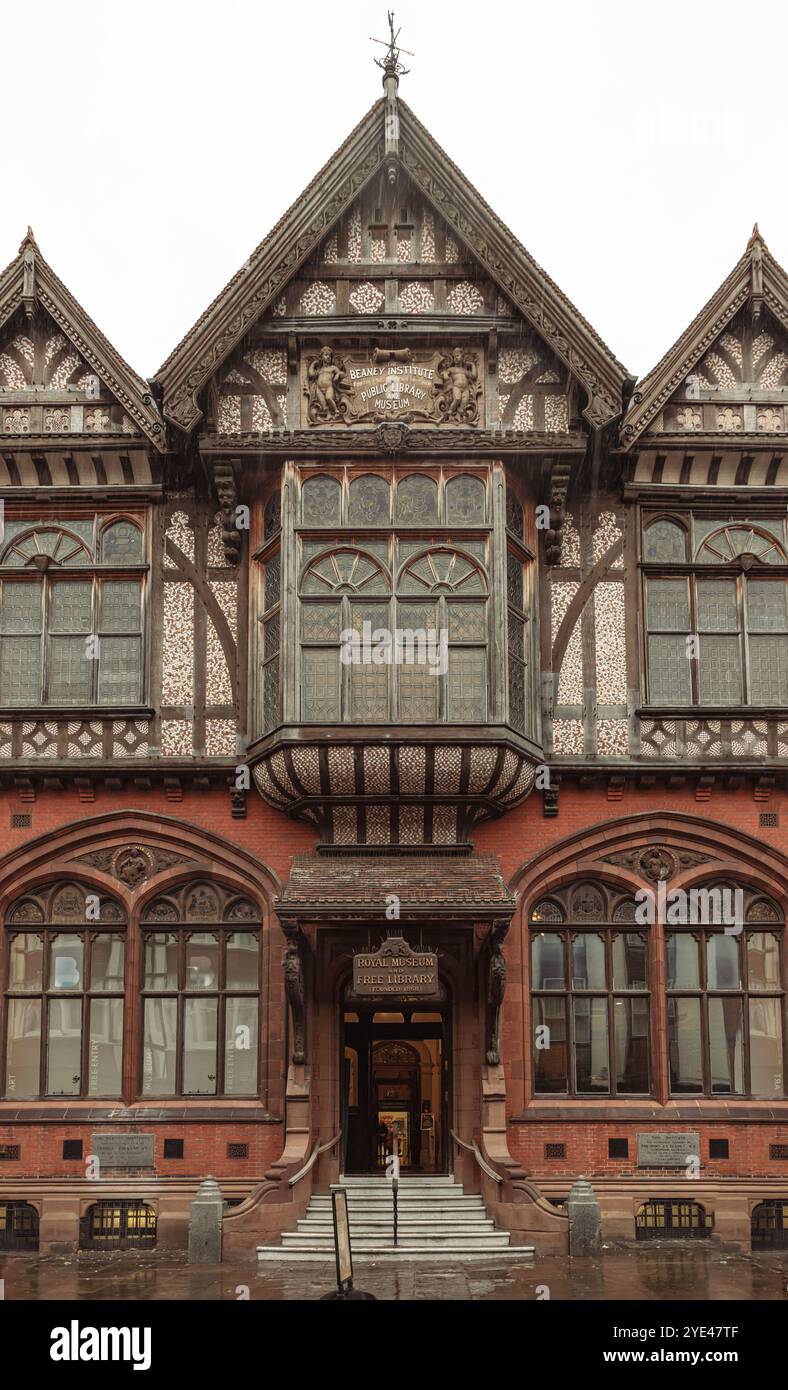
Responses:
[395,1087]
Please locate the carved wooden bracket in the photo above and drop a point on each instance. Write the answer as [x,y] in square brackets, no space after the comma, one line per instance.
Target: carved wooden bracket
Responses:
[295,988]
[559,472]
[550,795]
[496,989]
[227,493]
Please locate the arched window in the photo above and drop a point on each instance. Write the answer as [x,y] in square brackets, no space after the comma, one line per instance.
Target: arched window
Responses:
[118,1225]
[201,993]
[442,604]
[465,501]
[769,1225]
[70,628]
[590,994]
[369,501]
[321,501]
[18,1226]
[65,993]
[725,1002]
[716,617]
[417,500]
[345,600]
[670,1217]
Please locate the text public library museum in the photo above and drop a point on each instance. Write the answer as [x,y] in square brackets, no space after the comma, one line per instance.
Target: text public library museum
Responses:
[226,842]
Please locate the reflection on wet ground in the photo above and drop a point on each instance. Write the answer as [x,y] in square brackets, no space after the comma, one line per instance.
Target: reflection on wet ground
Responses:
[661,1271]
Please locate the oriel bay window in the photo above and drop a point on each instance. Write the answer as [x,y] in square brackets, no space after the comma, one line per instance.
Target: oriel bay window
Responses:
[590,994]
[71,611]
[200,993]
[725,1006]
[716,611]
[65,994]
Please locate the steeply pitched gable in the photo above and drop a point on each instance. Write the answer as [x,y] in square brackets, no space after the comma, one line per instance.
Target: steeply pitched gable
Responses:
[469,222]
[58,373]
[728,370]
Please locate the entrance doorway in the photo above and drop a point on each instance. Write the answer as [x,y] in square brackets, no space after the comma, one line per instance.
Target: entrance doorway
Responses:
[395,1088]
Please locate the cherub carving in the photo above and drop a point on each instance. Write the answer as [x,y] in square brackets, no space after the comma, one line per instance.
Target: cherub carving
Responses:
[457,388]
[327,387]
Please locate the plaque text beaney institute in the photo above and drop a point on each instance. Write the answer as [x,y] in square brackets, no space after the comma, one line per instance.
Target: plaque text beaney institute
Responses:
[664,1149]
[123,1150]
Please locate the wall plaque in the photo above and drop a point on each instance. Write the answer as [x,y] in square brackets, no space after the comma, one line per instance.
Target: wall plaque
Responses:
[407,384]
[123,1150]
[663,1149]
[395,969]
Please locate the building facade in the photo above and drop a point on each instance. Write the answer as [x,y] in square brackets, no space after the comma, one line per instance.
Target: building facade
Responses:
[393,729]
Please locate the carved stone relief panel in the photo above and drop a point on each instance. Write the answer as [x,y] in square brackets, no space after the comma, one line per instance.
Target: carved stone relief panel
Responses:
[409,384]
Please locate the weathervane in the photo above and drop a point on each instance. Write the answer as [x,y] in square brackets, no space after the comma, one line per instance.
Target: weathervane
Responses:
[391,64]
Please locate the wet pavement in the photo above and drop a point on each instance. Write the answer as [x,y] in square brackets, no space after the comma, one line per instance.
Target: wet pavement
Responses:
[659,1271]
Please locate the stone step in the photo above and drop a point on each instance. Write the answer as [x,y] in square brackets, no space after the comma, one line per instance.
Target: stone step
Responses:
[459,1218]
[490,1240]
[395,1254]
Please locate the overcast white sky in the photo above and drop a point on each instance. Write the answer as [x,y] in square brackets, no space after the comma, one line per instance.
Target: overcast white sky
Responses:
[630,146]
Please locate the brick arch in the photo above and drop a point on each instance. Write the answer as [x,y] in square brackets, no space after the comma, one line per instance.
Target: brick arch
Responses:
[731,854]
[206,855]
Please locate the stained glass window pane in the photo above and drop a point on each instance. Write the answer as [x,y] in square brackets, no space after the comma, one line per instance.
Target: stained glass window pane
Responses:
[467,622]
[320,501]
[766,1047]
[685,1047]
[630,1023]
[121,543]
[664,541]
[667,605]
[64,1051]
[717,605]
[20,670]
[158,1053]
[417,500]
[200,1018]
[120,606]
[21,608]
[320,622]
[551,1071]
[272,581]
[514,580]
[271,636]
[769,670]
[726,1046]
[23,1053]
[320,690]
[669,671]
[70,607]
[467,686]
[591,1051]
[240,1047]
[120,670]
[719,671]
[465,501]
[70,669]
[547,961]
[369,501]
[105,1047]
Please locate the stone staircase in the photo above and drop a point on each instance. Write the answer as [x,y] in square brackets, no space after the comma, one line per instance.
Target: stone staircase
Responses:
[437,1219]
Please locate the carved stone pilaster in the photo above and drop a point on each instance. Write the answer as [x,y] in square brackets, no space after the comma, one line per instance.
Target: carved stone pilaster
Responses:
[496,989]
[295,988]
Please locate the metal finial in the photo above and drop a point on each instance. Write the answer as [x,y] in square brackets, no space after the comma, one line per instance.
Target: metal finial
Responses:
[391,64]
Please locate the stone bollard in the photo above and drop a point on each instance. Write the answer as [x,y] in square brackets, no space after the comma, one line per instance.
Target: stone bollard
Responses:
[585,1219]
[205,1225]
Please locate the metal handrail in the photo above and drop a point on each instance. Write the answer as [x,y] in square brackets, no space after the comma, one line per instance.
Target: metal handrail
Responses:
[317,1150]
[473,1148]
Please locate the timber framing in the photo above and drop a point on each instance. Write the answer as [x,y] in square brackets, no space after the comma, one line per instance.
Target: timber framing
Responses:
[303,227]
[29,281]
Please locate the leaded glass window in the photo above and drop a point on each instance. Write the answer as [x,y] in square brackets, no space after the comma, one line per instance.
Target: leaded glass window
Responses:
[65,994]
[201,993]
[590,995]
[725,1002]
[716,636]
[271,637]
[71,626]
